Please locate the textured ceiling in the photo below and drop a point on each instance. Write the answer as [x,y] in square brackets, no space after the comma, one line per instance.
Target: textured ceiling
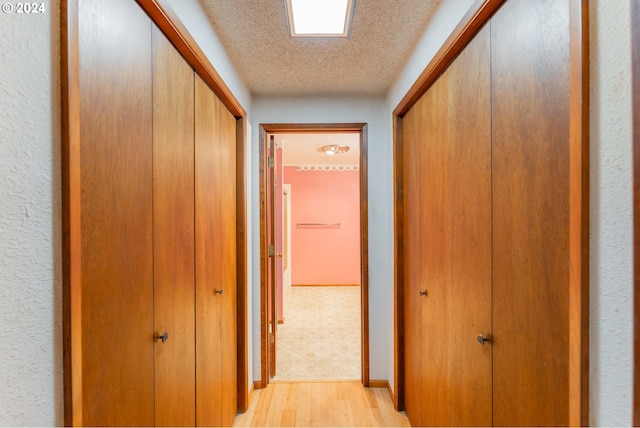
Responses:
[255,35]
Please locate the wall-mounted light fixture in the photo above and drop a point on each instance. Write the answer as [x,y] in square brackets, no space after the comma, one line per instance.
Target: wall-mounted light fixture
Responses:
[334,149]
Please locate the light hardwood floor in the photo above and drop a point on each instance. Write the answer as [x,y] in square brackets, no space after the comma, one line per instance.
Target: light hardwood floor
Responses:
[315,404]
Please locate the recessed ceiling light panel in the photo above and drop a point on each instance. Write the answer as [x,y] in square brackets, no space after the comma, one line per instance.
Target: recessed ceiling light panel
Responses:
[319,18]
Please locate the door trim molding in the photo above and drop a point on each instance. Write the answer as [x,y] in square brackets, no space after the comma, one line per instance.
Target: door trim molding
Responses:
[472,22]
[315,128]
[168,22]
[479,14]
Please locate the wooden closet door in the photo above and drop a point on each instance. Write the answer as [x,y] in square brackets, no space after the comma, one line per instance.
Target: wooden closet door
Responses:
[116,208]
[228,280]
[216,370]
[447,177]
[530,51]
[209,353]
[412,133]
[469,310]
[173,234]
[455,160]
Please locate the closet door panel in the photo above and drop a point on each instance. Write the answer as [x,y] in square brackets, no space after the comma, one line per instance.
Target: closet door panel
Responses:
[209,257]
[116,206]
[227,203]
[435,259]
[173,225]
[456,241]
[468,137]
[530,57]
[412,132]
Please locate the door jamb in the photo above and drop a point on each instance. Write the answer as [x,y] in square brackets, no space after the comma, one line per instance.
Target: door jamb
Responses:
[315,128]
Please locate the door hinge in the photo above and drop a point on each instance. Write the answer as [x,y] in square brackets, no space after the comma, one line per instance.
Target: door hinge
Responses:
[272,251]
[270,161]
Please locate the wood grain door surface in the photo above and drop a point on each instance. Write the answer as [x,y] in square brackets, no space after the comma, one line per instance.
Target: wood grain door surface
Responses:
[116,141]
[208,184]
[173,235]
[448,238]
[530,90]
[158,204]
[486,220]
[216,360]
[412,137]
[227,204]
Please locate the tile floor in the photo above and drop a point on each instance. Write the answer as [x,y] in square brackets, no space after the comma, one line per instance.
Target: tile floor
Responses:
[320,338]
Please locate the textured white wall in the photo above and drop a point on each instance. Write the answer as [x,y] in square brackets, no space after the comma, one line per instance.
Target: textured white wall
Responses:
[611,333]
[345,110]
[30,240]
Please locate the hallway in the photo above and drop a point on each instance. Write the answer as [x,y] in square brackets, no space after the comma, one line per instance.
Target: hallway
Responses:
[317,404]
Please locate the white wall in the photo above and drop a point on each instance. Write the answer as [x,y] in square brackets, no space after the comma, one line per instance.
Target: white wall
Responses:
[30,220]
[611,333]
[344,110]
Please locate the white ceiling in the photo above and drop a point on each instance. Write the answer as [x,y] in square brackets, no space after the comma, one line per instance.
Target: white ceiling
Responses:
[255,35]
[304,149]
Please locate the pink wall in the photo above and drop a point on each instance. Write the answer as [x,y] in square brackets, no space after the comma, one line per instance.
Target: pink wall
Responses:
[321,255]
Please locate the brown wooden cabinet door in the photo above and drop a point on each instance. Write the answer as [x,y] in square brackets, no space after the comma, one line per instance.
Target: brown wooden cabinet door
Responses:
[115,78]
[228,280]
[216,359]
[412,132]
[456,241]
[158,231]
[530,51]
[173,234]
[468,295]
[447,155]
[493,140]
[209,352]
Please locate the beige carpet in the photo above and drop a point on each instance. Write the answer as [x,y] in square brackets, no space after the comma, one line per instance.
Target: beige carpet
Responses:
[320,338]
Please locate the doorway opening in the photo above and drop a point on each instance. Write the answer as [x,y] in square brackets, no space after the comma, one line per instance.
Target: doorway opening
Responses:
[313,234]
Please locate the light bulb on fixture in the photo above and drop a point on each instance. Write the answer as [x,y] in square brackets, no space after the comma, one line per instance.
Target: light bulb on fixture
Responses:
[333,149]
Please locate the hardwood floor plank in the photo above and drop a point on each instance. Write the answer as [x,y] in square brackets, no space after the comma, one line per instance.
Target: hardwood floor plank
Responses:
[288,418]
[321,404]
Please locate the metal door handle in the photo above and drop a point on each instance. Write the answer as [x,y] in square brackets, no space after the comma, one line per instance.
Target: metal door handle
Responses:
[482,339]
[164,337]
[219,291]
